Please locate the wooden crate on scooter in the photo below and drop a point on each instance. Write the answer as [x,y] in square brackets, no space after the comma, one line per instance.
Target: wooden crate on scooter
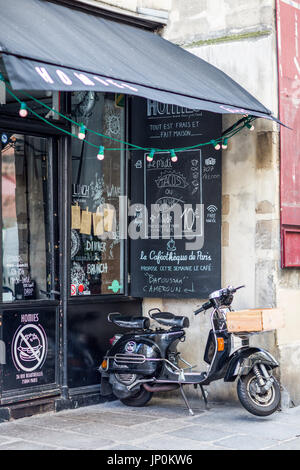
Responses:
[255,320]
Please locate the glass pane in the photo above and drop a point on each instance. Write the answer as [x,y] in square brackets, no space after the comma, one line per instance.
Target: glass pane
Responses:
[24,217]
[96,252]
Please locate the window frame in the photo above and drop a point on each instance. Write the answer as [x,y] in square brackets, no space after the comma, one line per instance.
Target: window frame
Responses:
[34,127]
[36,130]
[96,298]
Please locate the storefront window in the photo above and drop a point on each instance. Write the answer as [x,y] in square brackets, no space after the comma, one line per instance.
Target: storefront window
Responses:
[97,253]
[25,231]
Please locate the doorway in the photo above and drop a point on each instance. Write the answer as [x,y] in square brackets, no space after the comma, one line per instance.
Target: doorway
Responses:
[29,287]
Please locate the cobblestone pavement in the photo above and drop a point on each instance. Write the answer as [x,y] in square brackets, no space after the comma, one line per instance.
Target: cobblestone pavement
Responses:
[162,425]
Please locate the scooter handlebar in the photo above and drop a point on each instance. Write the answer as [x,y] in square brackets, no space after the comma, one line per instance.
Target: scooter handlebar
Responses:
[227,291]
[232,290]
[204,307]
[240,287]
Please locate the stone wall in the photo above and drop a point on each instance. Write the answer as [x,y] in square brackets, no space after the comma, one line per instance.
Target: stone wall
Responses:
[133,5]
[195,21]
[152,8]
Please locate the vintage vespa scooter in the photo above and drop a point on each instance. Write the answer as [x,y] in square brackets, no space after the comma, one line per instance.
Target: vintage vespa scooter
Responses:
[146,360]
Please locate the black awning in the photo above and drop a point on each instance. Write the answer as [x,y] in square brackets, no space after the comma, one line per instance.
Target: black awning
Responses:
[47,46]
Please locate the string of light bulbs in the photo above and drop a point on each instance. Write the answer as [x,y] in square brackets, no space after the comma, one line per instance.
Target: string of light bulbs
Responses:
[218,143]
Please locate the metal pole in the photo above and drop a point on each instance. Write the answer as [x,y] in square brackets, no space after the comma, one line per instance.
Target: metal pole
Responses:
[64,193]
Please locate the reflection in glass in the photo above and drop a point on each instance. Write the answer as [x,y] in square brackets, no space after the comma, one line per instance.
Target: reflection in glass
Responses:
[24,216]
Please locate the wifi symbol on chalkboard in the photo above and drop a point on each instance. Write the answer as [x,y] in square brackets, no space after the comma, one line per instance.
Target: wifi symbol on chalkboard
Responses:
[212,209]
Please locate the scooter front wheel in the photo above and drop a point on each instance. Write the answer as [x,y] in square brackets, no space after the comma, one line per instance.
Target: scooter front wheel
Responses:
[256,403]
[141,398]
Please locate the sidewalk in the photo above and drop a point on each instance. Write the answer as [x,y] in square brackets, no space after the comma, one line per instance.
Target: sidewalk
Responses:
[163,425]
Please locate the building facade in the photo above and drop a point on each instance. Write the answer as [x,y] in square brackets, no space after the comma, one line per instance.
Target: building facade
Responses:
[256,233]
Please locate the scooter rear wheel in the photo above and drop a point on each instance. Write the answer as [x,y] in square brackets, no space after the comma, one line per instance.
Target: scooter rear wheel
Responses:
[139,399]
[258,404]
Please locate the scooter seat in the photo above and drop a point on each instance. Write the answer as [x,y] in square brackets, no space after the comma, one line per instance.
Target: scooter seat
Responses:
[125,321]
[169,319]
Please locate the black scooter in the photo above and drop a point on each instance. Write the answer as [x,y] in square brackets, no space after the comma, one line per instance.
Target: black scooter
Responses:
[145,361]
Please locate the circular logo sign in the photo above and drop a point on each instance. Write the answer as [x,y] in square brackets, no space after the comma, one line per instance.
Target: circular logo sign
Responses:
[130,347]
[4,139]
[29,347]
[81,288]
[73,289]
[115,286]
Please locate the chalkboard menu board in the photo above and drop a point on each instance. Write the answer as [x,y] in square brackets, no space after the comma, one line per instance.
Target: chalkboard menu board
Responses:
[166,263]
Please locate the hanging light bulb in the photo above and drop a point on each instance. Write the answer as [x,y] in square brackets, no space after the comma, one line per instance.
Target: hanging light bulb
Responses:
[250,126]
[100,154]
[23,110]
[150,156]
[174,157]
[81,134]
[216,144]
[225,144]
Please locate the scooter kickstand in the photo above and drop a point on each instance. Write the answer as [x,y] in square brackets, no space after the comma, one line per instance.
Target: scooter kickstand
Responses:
[204,395]
[186,401]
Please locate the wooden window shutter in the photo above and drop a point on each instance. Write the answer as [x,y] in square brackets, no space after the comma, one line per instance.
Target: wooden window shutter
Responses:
[288,22]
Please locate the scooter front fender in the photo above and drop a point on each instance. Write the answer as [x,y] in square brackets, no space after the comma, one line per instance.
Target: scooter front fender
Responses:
[243,361]
[105,386]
